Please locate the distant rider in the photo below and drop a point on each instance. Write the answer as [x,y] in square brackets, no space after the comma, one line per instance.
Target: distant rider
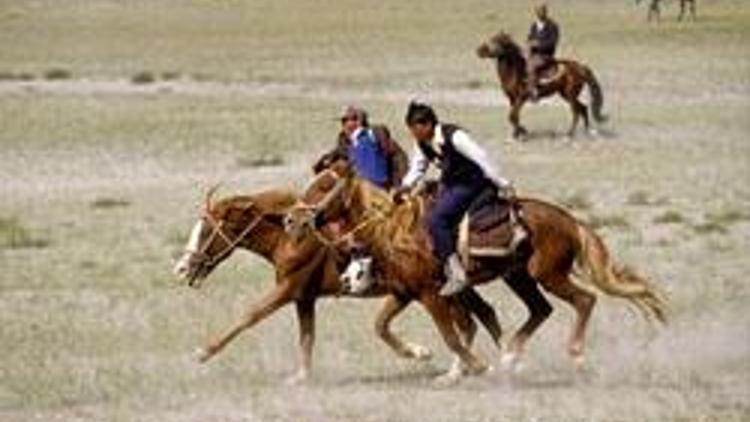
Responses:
[544,35]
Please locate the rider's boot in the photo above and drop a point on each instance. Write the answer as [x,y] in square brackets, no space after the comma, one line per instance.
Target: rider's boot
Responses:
[455,275]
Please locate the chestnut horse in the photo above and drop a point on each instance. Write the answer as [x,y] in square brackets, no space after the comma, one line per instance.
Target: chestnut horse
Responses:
[305,270]
[399,242]
[568,80]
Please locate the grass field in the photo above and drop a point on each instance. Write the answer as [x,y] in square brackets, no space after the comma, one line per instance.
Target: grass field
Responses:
[116,115]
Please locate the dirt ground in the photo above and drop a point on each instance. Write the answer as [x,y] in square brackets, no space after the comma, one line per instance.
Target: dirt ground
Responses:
[103,175]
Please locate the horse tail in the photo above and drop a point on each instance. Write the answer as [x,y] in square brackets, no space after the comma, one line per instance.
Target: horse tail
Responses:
[597,97]
[598,268]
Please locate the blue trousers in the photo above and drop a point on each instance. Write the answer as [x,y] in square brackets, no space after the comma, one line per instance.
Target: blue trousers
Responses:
[452,203]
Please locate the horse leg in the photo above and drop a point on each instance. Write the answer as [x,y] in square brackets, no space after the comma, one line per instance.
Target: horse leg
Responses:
[274,300]
[653,10]
[582,301]
[392,307]
[306,320]
[525,287]
[683,5]
[515,120]
[486,314]
[439,309]
[579,110]
[467,329]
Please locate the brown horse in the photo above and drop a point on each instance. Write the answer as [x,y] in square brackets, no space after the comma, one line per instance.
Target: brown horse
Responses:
[559,248]
[305,270]
[567,80]
[654,9]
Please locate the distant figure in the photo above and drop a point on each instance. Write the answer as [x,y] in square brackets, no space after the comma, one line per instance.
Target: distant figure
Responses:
[691,4]
[654,9]
[544,35]
[372,152]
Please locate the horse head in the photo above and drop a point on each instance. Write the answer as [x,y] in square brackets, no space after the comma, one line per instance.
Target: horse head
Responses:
[500,47]
[326,198]
[222,226]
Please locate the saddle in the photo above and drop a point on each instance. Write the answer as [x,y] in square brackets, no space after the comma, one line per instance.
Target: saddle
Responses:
[493,228]
[550,72]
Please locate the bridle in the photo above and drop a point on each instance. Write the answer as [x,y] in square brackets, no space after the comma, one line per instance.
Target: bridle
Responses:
[312,219]
[218,231]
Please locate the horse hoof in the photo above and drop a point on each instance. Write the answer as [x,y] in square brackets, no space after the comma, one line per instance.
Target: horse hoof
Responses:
[202,355]
[579,362]
[511,362]
[448,379]
[299,378]
[418,352]
[479,370]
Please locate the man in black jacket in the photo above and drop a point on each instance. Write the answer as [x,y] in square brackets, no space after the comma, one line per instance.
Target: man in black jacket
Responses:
[543,37]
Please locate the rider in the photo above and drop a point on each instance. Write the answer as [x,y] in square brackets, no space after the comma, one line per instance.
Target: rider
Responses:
[544,35]
[374,155]
[466,172]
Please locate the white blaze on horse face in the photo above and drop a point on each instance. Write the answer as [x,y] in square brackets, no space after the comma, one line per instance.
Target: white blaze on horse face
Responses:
[195,237]
[182,267]
[358,275]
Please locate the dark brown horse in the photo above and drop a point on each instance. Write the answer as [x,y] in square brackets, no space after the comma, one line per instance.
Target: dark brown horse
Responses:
[305,270]
[560,248]
[654,9]
[566,78]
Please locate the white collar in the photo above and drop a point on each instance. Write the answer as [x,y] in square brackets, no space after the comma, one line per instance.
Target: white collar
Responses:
[438,139]
[540,24]
[356,133]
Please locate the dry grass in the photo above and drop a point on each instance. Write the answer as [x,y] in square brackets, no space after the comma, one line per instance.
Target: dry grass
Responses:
[95,329]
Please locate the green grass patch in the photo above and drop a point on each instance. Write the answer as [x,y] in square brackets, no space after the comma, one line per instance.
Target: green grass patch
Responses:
[265,160]
[611,221]
[643,199]
[144,77]
[669,217]
[109,203]
[710,227]
[14,235]
[170,76]
[727,217]
[577,201]
[15,76]
[57,74]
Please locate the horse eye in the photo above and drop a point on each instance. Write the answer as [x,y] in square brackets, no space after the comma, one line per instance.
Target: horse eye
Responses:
[360,274]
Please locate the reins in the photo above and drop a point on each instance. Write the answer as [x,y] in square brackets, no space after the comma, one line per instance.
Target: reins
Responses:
[217,231]
[314,210]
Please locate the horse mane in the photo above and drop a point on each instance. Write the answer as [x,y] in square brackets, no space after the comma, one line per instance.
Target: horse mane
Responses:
[401,231]
[270,202]
[504,39]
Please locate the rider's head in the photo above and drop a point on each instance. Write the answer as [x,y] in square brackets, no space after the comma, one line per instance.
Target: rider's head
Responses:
[540,10]
[421,120]
[352,118]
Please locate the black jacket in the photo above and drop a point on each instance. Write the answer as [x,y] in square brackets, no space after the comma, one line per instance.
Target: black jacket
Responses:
[544,41]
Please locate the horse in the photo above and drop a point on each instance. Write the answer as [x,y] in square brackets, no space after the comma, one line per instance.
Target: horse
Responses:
[654,9]
[305,271]
[558,248]
[568,81]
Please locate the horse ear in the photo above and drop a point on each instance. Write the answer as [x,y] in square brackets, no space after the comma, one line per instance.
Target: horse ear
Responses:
[209,197]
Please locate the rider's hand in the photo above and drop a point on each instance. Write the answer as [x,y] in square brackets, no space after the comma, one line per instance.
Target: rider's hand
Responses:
[399,194]
[508,191]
